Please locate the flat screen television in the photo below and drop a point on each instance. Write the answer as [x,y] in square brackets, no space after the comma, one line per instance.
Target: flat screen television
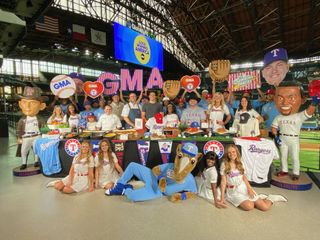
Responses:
[131,46]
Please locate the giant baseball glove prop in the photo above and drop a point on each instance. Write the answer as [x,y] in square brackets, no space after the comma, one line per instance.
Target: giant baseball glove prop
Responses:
[219,70]
[171,88]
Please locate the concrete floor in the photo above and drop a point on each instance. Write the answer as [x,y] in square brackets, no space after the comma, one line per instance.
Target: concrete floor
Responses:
[29,210]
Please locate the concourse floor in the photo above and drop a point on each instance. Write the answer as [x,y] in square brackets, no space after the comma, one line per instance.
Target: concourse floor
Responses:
[29,210]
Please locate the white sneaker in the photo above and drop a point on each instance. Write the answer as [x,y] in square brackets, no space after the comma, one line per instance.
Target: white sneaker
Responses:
[262,196]
[52,183]
[276,198]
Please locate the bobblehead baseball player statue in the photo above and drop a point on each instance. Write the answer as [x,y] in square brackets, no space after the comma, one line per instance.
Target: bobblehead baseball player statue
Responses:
[28,128]
[288,99]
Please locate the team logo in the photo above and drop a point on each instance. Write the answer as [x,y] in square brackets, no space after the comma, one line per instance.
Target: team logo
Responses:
[72,147]
[214,146]
[142,49]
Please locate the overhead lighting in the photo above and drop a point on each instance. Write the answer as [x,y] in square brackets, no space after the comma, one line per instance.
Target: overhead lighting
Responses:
[87,52]
[75,50]
[98,55]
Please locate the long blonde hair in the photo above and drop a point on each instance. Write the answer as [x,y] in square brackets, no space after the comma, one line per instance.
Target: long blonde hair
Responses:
[81,156]
[54,114]
[213,100]
[227,160]
[109,152]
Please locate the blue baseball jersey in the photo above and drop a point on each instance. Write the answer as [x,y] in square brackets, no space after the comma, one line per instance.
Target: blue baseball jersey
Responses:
[48,152]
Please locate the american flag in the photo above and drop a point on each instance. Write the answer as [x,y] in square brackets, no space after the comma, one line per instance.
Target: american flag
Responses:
[48,24]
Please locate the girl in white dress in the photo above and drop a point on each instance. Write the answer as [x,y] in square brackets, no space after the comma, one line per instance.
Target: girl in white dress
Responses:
[57,115]
[80,176]
[210,180]
[216,111]
[107,168]
[235,186]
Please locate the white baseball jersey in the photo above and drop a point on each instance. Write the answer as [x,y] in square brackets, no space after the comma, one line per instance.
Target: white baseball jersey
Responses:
[291,124]
[257,157]
[216,114]
[208,176]
[32,126]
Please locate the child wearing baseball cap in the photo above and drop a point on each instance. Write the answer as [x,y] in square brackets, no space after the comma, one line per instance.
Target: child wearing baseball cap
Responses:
[91,122]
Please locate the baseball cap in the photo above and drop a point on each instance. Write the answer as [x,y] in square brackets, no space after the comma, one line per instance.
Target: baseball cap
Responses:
[90,114]
[159,118]
[275,55]
[205,91]
[195,125]
[209,96]
[244,117]
[190,149]
[165,99]
[86,103]
[271,91]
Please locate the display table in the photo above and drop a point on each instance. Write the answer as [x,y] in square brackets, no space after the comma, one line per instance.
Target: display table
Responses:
[130,154]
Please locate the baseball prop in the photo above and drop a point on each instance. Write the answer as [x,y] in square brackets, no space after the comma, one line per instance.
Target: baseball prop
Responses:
[78,79]
[190,83]
[219,70]
[173,179]
[62,86]
[288,100]
[314,88]
[171,88]
[93,89]
[28,127]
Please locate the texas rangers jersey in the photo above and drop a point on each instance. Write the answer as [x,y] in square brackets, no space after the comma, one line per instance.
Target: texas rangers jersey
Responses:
[48,152]
[257,157]
[291,124]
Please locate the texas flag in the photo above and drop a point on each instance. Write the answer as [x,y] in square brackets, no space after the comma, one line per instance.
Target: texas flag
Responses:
[78,32]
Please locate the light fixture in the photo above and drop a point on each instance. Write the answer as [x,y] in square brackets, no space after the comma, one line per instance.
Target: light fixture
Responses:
[75,50]
[87,52]
[98,55]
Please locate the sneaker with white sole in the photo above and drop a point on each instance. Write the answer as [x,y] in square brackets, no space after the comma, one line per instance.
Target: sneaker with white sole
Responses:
[118,189]
[262,196]
[276,198]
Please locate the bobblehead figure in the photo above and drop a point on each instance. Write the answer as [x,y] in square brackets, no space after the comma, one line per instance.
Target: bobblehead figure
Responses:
[28,128]
[288,99]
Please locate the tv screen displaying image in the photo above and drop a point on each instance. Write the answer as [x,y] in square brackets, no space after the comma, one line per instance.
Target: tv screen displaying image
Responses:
[134,47]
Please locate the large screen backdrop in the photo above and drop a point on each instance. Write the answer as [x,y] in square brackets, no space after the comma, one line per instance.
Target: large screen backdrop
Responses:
[131,46]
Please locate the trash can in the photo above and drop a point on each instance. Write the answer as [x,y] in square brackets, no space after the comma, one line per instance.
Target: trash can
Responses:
[4,130]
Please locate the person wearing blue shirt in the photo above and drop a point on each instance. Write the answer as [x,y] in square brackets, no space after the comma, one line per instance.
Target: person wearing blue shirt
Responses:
[269,110]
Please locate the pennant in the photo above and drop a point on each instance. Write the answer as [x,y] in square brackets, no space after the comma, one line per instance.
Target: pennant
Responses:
[47,24]
[79,32]
[98,37]
[143,149]
[95,147]
[165,147]
[118,150]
